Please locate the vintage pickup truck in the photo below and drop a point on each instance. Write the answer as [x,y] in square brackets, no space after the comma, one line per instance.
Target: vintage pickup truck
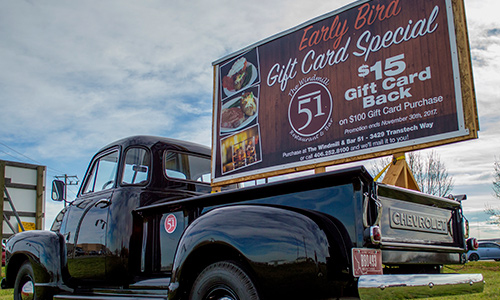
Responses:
[145,225]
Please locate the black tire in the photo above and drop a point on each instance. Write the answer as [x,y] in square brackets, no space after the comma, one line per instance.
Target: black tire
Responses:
[473,257]
[25,279]
[223,281]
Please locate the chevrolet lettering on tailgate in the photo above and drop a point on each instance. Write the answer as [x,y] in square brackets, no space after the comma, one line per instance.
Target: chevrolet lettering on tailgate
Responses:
[411,220]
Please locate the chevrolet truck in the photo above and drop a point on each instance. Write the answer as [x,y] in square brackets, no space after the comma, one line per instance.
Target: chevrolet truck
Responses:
[145,225]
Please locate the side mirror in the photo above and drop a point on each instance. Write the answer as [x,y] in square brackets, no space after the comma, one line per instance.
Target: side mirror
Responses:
[58,190]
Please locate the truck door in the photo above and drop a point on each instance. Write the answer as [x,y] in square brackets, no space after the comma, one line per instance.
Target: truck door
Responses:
[87,261]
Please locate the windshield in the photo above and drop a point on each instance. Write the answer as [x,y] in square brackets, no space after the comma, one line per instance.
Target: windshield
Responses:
[103,173]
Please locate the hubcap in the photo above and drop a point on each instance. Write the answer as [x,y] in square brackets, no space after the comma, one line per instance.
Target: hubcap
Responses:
[27,291]
[221,293]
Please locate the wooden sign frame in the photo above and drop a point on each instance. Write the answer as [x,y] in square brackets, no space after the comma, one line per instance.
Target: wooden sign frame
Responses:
[241,139]
[22,186]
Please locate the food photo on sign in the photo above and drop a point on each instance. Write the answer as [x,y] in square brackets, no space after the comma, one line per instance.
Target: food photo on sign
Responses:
[241,150]
[239,112]
[240,73]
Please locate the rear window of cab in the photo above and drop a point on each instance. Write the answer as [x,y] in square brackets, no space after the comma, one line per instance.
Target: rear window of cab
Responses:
[184,166]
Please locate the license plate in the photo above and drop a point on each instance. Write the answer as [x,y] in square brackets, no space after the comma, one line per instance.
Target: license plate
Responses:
[366,262]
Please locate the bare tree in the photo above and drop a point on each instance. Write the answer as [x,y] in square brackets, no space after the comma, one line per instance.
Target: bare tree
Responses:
[495,213]
[430,172]
[496,180]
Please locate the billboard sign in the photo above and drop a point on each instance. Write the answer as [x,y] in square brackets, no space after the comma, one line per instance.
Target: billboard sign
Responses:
[370,79]
[22,186]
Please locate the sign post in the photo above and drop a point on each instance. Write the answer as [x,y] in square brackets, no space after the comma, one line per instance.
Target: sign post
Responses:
[371,79]
[400,174]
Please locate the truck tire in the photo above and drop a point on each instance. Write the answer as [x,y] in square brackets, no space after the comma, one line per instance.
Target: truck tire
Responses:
[24,286]
[223,280]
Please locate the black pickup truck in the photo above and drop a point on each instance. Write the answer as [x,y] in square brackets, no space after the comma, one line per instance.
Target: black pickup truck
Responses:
[145,225]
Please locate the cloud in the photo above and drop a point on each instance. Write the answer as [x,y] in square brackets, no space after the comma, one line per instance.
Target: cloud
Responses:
[89,72]
[92,72]
[78,75]
[480,225]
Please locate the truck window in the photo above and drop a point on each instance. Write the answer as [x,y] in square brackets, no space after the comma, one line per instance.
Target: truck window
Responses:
[187,166]
[103,173]
[56,225]
[137,165]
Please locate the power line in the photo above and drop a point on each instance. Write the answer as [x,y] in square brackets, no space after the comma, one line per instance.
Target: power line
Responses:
[10,148]
[10,155]
[27,157]
[73,180]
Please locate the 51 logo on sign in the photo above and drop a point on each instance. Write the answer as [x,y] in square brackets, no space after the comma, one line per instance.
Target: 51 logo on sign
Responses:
[310,111]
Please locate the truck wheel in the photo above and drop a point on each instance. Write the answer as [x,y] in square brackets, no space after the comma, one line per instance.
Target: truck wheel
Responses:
[223,281]
[24,286]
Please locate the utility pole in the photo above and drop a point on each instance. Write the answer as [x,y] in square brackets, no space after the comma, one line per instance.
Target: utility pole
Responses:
[68,180]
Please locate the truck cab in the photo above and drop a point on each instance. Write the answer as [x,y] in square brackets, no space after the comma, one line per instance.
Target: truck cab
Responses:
[99,234]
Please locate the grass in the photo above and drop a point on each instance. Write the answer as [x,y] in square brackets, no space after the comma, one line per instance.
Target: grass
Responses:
[5,294]
[491,274]
[489,269]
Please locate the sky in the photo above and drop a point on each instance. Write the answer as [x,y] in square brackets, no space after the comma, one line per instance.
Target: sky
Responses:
[77,75]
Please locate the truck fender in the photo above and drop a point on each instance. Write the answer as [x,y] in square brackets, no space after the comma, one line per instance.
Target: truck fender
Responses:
[45,252]
[279,246]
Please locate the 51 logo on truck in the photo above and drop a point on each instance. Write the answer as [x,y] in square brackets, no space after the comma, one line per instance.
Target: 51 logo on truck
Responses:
[170,223]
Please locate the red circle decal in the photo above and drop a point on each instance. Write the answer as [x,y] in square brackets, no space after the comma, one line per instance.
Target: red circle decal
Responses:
[170,223]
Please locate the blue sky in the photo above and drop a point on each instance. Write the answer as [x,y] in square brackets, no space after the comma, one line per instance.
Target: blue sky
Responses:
[76,75]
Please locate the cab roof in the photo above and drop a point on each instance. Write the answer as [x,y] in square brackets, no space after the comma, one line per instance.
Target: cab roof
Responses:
[154,141]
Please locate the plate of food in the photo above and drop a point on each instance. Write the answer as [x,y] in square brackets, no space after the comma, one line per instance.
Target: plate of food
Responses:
[238,112]
[242,74]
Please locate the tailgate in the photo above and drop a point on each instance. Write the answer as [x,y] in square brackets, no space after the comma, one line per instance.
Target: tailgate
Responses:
[420,228]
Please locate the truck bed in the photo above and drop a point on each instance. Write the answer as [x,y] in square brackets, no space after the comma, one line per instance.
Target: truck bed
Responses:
[416,228]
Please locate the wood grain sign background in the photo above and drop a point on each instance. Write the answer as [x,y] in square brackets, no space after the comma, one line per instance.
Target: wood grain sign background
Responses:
[371,79]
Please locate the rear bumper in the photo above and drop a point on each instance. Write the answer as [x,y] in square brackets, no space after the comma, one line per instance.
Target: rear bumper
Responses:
[418,285]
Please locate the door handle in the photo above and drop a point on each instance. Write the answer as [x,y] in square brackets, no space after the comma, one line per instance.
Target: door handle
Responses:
[103,203]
